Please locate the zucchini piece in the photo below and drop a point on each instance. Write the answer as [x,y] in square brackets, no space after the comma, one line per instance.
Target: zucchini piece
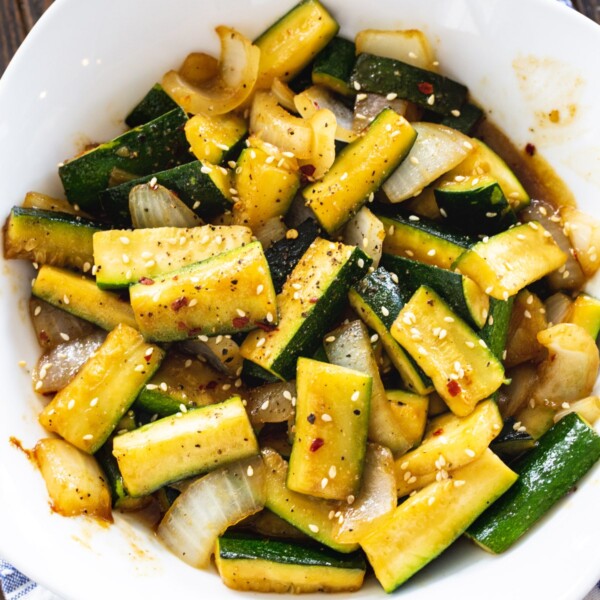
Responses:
[330,439]
[215,138]
[88,409]
[462,294]
[284,254]
[333,66]
[203,187]
[359,169]
[427,523]
[291,43]
[307,513]
[410,410]
[425,88]
[511,442]
[181,380]
[563,455]
[157,145]
[263,565]
[309,303]
[464,119]
[74,480]
[45,202]
[475,205]
[349,346]
[495,331]
[153,105]
[422,239]
[227,293]
[47,237]
[585,312]
[177,447]
[461,366]
[450,442]
[124,257]
[529,251]
[368,297]
[265,190]
[80,296]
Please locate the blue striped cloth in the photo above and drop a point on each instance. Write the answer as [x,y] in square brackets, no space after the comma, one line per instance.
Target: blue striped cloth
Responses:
[17,586]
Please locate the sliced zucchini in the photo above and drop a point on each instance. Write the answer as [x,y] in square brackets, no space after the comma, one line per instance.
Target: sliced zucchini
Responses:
[464,120]
[369,297]
[475,205]
[153,105]
[359,169]
[331,423]
[47,237]
[562,456]
[495,331]
[227,293]
[157,145]
[511,442]
[214,138]
[45,202]
[88,409]
[461,366]
[203,187]
[427,523]
[507,262]
[462,294]
[80,296]
[350,346]
[263,565]
[422,239]
[123,257]
[293,41]
[410,411]
[333,66]
[450,442]
[307,513]
[177,447]
[309,303]
[426,88]
[585,312]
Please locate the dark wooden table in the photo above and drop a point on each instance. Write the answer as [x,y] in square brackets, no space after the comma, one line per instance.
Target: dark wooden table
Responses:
[17,17]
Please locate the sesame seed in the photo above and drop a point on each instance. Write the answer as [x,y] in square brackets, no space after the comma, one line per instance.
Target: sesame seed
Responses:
[374,338]
[153,386]
[431,252]
[385,312]
[296,296]
[261,342]
[163,386]
[407,475]
[350,499]
[327,418]
[360,97]
[264,405]
[490,215]
[332,472]
[527,314]
[71,404]
[413,218]
[138,368]
[269,317]
[287,395]
[88,436]
[391,96]
[313,528]
[468,145]
[361,263]
[66,299]
[413,479]
[431,500]
[240,312]
[38,385]
[356,85]
[459,482]
[183,408]
[470,452]
[288,154]
[565,405]
[455,112]
[505,295]
[394,278]
[124,240]
[459,178]
[409,253]
[355,396]
[324,482]
[431,100]
[203,338]
[259,289]
[482,343]
[93,401]
[470,344]
[521,237]
[65,336]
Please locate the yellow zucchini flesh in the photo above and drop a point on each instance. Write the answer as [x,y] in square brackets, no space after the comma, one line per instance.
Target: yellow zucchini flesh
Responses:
[463,369]
[89,408]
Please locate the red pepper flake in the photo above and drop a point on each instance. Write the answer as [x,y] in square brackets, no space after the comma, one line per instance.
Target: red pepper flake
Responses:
[239,322]
[265,326]
[313,300]
[146,281]
[438,431]
[316,444]
[179,303]
[308,170]
[425,88]
[181,326]
[453,388]
[530,149]
[211,385]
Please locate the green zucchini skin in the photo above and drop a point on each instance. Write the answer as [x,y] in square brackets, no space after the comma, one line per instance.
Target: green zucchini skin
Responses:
[465,122]
[510,443]
[284,254]
[187,181]
[385,75]
[413,274]
[333,66]
[155,146]
[153,105]
[495,331]
[563,455]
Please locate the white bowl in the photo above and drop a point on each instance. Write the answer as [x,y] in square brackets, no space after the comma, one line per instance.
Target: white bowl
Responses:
[80,71]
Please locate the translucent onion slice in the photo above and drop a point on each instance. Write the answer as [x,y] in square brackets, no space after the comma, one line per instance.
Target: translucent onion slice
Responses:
[298,212]
[271,403]
[270,231]
[45,202]
[584,234]
[517,393]
[376,499]
[156,206]
[570,276]
[284,94]
[368,106]
[198,68]
[323,124]
[367,232]
[558,306]
[588,408]
[229,88]
[409,45]
[55,369]
[220,352]
[273,124]
[437,150]
[54,326]
[209,506]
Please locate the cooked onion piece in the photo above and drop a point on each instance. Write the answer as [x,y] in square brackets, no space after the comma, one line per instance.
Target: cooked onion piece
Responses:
[284,94]
[229,88]
[221,352]
[156,206]
[588,408]
[569,372]
[367,232]
[271,403]
[558,307]
[198,68]
[323,124]
[209,506]
[368,106]
[584,233]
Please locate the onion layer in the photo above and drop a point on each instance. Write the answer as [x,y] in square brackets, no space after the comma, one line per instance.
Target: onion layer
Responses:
[156,206]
